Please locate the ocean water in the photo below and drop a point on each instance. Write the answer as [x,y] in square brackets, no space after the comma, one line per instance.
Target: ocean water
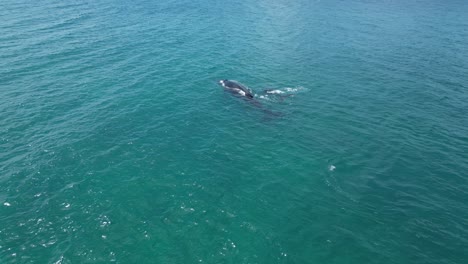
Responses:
[118,145]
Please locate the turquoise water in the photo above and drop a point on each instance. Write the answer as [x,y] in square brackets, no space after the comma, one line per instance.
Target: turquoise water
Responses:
[117,144]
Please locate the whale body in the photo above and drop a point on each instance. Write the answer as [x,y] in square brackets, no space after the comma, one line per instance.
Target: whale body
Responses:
[236,87]
[242,90]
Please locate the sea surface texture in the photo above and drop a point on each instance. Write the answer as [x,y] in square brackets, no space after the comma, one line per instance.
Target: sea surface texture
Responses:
[118,145]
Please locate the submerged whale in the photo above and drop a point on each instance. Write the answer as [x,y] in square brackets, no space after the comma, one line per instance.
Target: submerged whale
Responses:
[237,88]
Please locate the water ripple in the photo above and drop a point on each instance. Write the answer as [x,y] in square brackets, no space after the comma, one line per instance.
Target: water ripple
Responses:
[117,144]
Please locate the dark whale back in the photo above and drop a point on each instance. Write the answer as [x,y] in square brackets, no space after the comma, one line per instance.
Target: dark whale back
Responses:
[238,88]
[233,85]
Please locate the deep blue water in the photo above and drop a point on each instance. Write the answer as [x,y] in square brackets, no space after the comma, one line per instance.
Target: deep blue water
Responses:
[118,145]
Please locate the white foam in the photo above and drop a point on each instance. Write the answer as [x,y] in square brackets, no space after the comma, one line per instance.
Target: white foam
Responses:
[275,92]
[291,89]
[104,221]
[264,97]
[59,261]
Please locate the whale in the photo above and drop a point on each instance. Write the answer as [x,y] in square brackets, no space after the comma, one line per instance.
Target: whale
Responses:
[241,90]
[236,88]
